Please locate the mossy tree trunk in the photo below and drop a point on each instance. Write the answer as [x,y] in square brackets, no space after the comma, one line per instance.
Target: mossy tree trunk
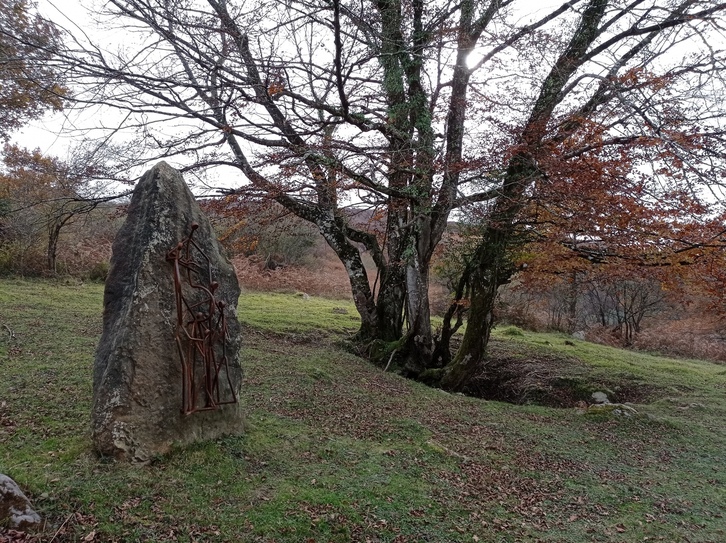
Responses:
[490,266]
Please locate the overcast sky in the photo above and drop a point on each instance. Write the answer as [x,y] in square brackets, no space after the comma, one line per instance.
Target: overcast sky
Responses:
[46,133]
[78,15]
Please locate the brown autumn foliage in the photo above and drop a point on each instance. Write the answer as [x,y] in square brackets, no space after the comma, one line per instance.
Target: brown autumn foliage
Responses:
[605,246]
[43,199]
[29,84]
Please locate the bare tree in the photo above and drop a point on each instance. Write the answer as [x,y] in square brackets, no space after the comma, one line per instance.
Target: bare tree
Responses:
[413,108]
[624,303]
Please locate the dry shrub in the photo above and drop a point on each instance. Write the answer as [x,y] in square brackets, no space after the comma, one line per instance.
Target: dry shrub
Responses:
[692,337]
[324,276]
[17,258]
[81,256]
[78,259]
[522,308]
[264,229]
[604,335]
[439,297]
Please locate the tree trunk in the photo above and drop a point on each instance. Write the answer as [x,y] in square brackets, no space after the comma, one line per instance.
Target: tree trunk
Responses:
[572,293]
[442,344]
[419,344]
[349,255]
[472,351]
[491,270]
[390,303]
[53,236]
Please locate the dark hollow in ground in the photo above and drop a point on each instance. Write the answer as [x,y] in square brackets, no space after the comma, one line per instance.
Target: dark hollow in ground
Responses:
[526,375]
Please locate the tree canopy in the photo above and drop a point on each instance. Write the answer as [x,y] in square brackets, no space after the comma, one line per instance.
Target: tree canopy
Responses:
[29,84]
[583,111]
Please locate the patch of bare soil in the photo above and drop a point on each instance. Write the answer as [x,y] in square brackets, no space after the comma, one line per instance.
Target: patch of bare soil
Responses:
[525,376]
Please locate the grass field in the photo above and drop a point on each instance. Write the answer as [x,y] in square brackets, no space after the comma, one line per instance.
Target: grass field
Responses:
[337,450]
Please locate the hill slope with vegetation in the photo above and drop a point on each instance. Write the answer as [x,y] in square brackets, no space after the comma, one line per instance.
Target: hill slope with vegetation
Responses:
[338,450]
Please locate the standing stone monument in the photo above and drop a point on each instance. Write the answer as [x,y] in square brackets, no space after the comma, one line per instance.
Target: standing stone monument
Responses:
[166,369]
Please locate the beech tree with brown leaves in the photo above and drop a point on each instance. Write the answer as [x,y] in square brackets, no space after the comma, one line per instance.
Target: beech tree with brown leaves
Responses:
[42,195]
[28,83]
[624,166]
[418,109]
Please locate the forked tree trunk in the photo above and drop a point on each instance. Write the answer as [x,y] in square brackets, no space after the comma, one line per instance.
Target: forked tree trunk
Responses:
[457,308]
[492,268]
[491,271]
[419,347]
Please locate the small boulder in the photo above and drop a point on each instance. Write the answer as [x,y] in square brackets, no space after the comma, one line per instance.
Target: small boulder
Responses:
[580,334]
[615,409]
[15,510]
[600,397]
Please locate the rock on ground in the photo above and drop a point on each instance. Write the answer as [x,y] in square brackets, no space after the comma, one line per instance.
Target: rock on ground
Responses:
[16,511]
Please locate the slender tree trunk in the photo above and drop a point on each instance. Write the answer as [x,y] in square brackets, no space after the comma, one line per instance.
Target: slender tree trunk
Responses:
[53,236]
[419,345]
[573,292]
[457,308]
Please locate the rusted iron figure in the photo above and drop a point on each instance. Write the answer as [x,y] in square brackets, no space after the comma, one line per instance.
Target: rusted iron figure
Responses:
[201,329]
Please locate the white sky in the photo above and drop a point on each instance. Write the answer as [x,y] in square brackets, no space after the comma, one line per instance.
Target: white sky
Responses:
[50,134]
[53,134]
[47,133]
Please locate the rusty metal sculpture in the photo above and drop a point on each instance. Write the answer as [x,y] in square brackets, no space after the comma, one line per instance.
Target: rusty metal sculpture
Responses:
[201,329]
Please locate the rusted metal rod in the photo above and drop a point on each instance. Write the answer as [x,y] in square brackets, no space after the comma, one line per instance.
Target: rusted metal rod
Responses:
[201,329]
